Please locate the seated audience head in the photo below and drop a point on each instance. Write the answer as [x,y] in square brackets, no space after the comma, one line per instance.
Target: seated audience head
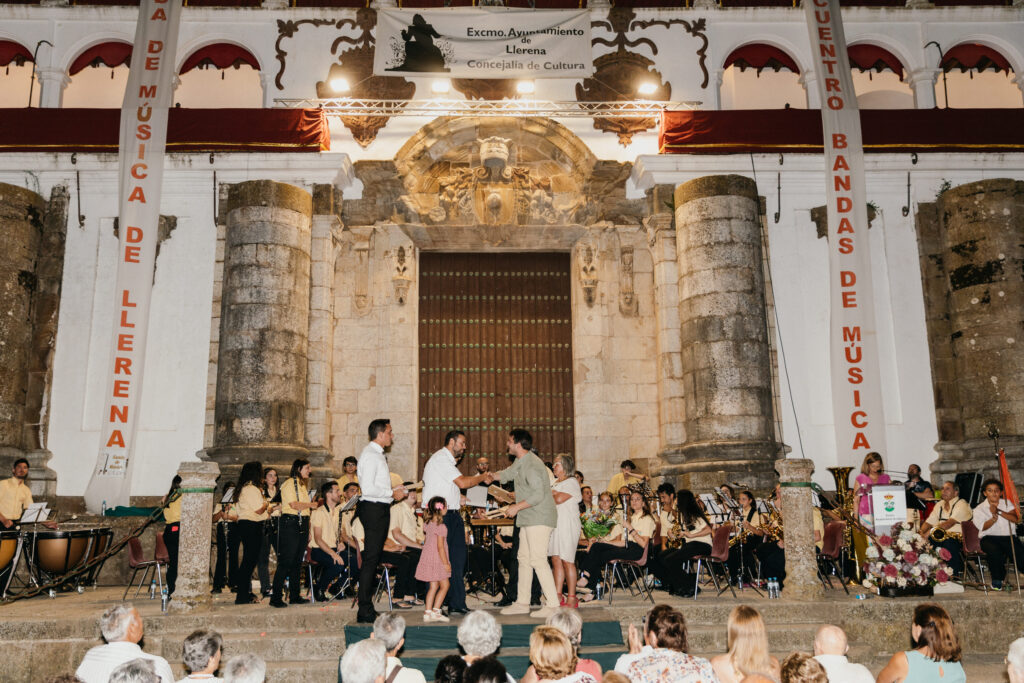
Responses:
[830,640]
[121,624]
[551,653]
[568,621]
[135,671]
[485,670]
[1015,661]
[758,678]
[201,651]
[612,676]
[479,634]
[389,628]
[449,670]
[748,641]
[801,667]
[666,628]
[933,628]
[364,662]
[64,678]
[245,668]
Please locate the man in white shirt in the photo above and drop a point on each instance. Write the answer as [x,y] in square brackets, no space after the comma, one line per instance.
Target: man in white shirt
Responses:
[374,510]
[441,477]
[390,630]
[996,518]
[830,648]
[121,626]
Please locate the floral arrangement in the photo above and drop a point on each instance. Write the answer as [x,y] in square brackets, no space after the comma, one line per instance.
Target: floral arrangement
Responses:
[597,524]
[904,558]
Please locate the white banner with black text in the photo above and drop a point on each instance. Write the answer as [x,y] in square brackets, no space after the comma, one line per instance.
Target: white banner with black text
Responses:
[480,42]
[856,378]
[144,114]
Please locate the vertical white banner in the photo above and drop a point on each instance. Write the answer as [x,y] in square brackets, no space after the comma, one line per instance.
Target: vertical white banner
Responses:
[856,379]
[144,114]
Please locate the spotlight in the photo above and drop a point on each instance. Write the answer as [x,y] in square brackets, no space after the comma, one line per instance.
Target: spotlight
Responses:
[339,84]
[647,88]
[441,86]
[525,87]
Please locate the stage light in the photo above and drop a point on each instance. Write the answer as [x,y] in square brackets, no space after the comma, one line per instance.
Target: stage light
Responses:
[339,84]
[647,88]
[441,86]
[525,87]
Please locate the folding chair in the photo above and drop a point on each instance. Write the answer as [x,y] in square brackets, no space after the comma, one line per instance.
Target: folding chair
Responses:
[973,553]
[137,560]
[831,548]
[717,558]
[637,569]
[383,581]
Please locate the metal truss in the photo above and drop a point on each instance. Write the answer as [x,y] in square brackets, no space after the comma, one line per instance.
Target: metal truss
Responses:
[345,106]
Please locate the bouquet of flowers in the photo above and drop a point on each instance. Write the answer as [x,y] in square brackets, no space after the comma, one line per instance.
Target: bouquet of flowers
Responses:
[904,558]
[597,524]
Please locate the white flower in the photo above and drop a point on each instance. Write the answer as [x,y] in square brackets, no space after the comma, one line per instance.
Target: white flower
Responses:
[916,571]
[903,546]
[888,554]
[907,535]
[872,552]
[867,583]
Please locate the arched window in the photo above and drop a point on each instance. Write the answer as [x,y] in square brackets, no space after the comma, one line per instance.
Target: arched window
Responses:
[878,78]
[220,75]
[761,76]
[976,76]
[16,75]
[98,76]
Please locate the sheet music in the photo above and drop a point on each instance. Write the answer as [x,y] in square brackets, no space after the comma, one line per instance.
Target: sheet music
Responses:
[476,496]
[36,512]
[229,494]
[350,504]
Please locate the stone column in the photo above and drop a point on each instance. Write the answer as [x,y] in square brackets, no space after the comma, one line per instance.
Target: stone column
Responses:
[922,81]
[810,83]
[975,307]
[260,409]
[715,88]
[192,590]
[1019,79]
[725,357]
[52,82]
[797,513]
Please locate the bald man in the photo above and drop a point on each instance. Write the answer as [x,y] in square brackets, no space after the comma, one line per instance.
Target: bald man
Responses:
[830,648]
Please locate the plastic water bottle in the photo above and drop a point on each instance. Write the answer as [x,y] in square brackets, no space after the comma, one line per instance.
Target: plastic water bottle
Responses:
[163,600]
[103,509]
[773,588]
[152,589]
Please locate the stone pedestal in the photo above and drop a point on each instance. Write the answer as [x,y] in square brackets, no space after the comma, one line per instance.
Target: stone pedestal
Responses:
[724,346]
[797,513]
[193,586]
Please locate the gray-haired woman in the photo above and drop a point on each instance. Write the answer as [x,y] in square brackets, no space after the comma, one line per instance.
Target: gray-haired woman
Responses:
[479,635]
[566,536]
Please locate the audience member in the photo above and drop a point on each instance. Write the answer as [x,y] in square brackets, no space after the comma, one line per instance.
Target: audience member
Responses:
[554,657]
[64,678]
[830,648]
[364,662]
[479,635]
[613,676]
[936,650]
[200,653]
[568,621]
[245,668]
[450,669]
[389,628]
[121,626]
[666,658]
[748,648]
[137,670]
[1015,661]
[758,678]
[486,670]
[801,667]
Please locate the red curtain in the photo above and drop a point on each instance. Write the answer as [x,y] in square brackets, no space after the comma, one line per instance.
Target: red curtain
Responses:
[799,131]
[188,130]
[112,54]
[221,55]
[759,56]
[13,52]
[867,57]
[974,56]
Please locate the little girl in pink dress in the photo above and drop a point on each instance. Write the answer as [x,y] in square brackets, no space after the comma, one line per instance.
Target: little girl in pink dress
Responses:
[434,566]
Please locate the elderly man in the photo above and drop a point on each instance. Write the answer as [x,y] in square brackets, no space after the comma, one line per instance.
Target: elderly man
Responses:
[364,662]
[947,515]
[830,648]
[390,630]
[200,653]
[135,671]
[1015,661]
[121,626]
[245,668]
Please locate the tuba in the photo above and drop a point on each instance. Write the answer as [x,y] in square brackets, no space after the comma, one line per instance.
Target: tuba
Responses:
[844,498]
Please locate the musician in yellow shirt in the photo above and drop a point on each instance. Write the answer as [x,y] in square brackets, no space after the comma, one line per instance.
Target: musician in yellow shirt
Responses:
[627,475]
[294,534]
[15,495]
[325,539]
[252,517]
[349,476]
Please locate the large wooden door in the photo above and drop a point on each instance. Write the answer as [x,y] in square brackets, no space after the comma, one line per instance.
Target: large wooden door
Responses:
[495,335]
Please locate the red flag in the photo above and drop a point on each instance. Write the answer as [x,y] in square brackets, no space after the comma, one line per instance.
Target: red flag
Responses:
[1010,491]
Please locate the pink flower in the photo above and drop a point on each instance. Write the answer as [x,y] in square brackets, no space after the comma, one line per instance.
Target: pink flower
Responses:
[941,576]
[891,571]
[910,556]
[885,541]
[944,555]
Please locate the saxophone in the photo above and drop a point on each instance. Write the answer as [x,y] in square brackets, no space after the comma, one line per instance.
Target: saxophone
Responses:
[773,527]
[938,535]
[675,532]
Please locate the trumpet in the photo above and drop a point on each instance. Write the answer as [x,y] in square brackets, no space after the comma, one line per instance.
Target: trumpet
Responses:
[938,535]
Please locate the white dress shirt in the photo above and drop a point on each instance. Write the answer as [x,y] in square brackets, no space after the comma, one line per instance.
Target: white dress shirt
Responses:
[374,477]
[439,475]
[406,675]
[983,513]
[103,659]
[842,670]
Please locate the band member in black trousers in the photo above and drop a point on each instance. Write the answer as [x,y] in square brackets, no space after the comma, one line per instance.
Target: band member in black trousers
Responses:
[252,517]
[291,544]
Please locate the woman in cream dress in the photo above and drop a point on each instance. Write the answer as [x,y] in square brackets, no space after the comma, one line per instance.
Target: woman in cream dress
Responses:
[566,536]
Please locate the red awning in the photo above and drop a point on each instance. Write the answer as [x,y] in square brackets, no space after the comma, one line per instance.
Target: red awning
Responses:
[188,130]
[13,52]
[112,54]
[867,57]
[221,55]
[974,56]
[758,56]
[777,131]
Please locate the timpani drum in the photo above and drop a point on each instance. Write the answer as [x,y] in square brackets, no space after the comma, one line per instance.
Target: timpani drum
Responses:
[57,552]
[8,547]
[102,538]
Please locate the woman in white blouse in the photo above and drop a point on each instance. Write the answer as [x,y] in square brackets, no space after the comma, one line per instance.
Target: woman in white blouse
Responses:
[566,536]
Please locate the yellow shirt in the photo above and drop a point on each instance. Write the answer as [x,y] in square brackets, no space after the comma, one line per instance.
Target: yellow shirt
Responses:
[958,510]
[644,525]
[703,531]
[396,480]
[358,534]
[617,482]
[294,491]
[14,498]
[249,501]
[327,522]
[404,519]
[172,513]
[346,521]
[819,526]
[346,479]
